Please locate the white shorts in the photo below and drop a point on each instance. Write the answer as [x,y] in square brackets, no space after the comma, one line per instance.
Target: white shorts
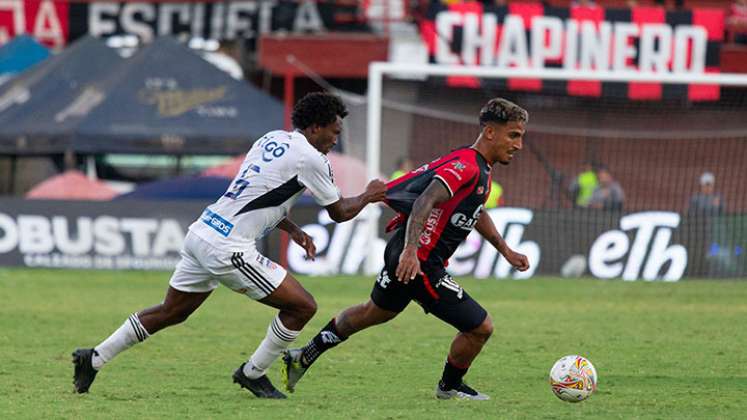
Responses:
[202,267]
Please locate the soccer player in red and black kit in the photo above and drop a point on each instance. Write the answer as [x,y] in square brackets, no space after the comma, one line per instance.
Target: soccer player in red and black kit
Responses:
[438,204]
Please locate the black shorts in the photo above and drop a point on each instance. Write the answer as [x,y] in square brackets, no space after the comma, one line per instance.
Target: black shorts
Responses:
[436,292]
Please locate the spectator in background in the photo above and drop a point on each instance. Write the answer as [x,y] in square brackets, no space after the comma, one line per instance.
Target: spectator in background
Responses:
[609,194]
[584,185]
[737,21]
[404,165]
[495,198]
[706,201]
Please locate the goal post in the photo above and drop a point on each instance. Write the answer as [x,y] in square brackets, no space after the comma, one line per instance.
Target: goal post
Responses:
[380,71]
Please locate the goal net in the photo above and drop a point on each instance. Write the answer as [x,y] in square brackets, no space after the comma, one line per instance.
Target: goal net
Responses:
[671,200]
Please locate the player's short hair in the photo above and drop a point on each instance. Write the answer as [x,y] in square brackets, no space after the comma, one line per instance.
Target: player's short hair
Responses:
[502,111]
[320,108]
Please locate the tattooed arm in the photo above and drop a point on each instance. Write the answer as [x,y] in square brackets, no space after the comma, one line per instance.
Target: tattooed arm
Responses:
[409,265]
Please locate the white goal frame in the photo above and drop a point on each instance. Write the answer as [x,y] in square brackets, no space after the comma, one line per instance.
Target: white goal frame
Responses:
[377,70]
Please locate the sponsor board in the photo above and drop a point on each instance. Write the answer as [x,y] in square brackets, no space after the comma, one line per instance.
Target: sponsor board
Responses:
[646,245]
[147,235]
[594,39]
[106,235]
[230,20]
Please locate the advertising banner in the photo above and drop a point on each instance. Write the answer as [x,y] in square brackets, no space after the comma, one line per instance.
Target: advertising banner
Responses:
[147,235]
[96,235]
[650,245]
[531,35]
[57,23]
[229,20]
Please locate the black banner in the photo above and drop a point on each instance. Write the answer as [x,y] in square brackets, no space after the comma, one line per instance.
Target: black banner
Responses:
[96,235]
[651,245]
[234,20]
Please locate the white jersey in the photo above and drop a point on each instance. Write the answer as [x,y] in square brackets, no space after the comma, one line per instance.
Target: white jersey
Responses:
[276,171]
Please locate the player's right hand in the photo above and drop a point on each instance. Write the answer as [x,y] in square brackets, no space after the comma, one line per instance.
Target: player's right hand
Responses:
[409,265]
[376,191]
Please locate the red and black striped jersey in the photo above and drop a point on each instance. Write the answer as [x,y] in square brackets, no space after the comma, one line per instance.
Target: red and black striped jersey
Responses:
[466,174]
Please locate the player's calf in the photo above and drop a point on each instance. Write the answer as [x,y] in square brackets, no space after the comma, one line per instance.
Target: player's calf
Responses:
[465,347]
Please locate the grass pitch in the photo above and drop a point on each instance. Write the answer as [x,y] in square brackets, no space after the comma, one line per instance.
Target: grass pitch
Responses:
[661,351]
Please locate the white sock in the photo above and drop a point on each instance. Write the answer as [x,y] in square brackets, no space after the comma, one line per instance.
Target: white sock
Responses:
[278,338]
[129,334]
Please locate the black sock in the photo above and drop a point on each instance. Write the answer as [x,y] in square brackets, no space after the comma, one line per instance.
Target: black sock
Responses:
[327,338]
[453,374]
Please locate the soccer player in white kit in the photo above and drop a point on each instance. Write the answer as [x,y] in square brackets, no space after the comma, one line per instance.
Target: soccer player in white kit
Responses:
[220,244]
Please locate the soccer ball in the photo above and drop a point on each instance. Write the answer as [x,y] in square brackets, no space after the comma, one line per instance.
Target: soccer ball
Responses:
[573,378]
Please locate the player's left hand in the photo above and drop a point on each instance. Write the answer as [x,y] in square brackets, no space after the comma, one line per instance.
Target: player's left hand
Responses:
[518,261]
[304,240]
[409,265]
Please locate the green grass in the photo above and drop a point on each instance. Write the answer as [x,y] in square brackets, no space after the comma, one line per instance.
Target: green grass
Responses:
[661,351]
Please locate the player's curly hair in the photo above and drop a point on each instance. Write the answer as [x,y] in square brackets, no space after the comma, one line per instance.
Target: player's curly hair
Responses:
[320,108]
[502,111]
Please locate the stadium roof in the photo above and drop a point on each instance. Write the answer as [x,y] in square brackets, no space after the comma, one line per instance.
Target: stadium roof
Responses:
[40,108]
[163,99]
[167,99]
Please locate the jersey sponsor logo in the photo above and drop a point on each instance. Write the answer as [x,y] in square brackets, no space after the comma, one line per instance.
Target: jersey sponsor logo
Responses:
[273,150]
[460,220]
[465,222]
[430,226]
[459,166]
[219,224]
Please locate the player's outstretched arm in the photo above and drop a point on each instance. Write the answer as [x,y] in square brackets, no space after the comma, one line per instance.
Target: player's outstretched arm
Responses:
[299,236]
[486,228]
[345,209]
[409,265]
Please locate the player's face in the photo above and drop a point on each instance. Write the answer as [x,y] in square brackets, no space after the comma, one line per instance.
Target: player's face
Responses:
[326,136]
[507,139]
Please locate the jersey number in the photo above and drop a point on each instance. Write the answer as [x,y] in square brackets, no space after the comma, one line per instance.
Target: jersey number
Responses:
[270,151]
[238,188]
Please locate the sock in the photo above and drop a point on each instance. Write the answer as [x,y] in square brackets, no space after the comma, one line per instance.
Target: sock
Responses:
[453,374]
[129,334]
[327,338]
[278,338]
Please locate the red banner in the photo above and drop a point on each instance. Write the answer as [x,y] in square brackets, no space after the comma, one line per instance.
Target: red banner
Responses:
[45,20]
[531,35]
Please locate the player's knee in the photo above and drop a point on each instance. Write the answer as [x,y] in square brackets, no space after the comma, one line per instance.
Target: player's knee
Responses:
[376,314]
[306,309]
[483,331]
